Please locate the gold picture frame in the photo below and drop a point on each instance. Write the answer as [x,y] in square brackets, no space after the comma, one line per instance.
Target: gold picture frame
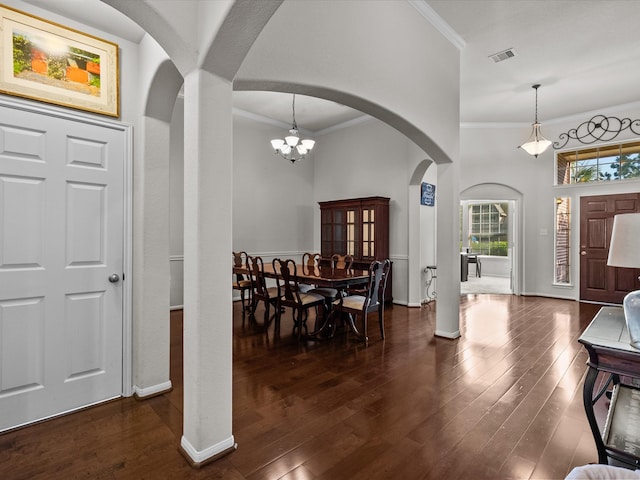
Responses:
[48,62]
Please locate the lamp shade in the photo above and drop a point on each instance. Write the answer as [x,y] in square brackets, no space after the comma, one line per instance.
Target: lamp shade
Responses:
[624,252]
[308,143]
[536,144]
[277,143]
[624,249]
[292,140]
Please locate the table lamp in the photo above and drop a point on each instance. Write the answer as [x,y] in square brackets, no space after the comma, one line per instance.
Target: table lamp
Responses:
[624,251]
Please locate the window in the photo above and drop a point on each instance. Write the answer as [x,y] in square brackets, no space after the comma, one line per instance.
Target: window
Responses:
[488,231]
[562,240]
[599,164]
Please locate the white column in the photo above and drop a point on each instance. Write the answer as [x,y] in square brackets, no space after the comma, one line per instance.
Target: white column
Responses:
[448,251]
[151,330]
[415,262]
[208,160]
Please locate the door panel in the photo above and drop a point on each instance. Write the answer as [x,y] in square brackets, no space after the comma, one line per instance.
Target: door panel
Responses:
[61,236]
[599,282]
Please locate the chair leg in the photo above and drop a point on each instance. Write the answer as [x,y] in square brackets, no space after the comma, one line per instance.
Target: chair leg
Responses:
[276,322]
[266,321]
[304,316]
[244,308]
[365,327]
[295,315]
[253,305]
[381,320]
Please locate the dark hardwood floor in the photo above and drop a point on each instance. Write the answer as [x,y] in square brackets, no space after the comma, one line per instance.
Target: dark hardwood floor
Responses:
[502,402]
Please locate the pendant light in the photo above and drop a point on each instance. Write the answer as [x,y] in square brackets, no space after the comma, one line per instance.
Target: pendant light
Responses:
[292,148]
[536,144]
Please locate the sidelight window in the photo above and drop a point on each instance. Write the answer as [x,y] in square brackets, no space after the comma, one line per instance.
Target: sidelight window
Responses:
[563,240]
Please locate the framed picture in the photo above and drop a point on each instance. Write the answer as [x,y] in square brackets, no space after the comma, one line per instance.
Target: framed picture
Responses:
[44,61]
[428,194]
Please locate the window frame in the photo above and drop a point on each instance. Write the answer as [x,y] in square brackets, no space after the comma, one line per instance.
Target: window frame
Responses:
[629,144]
[558,201]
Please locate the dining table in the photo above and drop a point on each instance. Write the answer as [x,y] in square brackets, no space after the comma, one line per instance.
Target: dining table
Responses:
[321,276]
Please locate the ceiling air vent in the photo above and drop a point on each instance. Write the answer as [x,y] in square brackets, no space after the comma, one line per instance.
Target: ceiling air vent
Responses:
[504,55]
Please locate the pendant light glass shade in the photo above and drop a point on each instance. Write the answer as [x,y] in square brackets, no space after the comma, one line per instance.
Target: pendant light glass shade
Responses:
[292,140]
[536,143]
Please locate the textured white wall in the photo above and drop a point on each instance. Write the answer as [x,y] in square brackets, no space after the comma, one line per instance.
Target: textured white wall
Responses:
[273,202]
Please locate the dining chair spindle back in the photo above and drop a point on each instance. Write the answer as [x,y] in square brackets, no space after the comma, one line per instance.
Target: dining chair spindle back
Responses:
[289,294]
[242,282]
[357,307]
[263,293]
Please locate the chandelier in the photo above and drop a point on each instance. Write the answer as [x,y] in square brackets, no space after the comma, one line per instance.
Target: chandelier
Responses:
[292,148]
[536,144]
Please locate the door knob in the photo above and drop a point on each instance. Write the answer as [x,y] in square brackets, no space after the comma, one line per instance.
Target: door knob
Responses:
[114,278]
[583,253]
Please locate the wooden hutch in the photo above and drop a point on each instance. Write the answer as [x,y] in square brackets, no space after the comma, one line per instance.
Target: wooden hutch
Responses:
[358,227]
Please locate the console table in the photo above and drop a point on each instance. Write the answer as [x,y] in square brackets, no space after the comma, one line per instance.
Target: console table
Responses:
[606,340]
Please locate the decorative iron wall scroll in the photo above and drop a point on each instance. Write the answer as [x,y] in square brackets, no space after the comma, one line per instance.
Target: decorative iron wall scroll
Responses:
[598,129]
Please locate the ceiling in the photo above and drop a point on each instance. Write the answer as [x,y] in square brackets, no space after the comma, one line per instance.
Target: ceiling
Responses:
[584,53]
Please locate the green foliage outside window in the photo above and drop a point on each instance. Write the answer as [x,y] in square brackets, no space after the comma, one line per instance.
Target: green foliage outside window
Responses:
[497,248]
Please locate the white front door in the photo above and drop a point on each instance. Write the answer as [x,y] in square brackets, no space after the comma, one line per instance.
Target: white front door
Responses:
[61,238]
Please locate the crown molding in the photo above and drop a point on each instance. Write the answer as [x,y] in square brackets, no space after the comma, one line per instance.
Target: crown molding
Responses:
[439,24]
[555,121]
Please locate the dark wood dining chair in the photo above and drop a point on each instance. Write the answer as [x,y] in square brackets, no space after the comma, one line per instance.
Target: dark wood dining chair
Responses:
[289,295]
[386,266]
[264,294]
[242,280]
[310,261]
[341,261]
[338,261]
[357,307]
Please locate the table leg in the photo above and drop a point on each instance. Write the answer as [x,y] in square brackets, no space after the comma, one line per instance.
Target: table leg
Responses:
[588,401]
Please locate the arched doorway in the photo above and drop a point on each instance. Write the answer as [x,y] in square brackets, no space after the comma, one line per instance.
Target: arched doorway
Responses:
[494,201]
[230,54]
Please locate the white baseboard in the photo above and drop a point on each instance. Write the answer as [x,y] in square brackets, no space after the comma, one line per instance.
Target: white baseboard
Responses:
[451,335]
[201,456]
[153,390]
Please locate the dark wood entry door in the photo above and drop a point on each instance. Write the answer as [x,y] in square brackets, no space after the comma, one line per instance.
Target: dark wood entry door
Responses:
[598,282]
